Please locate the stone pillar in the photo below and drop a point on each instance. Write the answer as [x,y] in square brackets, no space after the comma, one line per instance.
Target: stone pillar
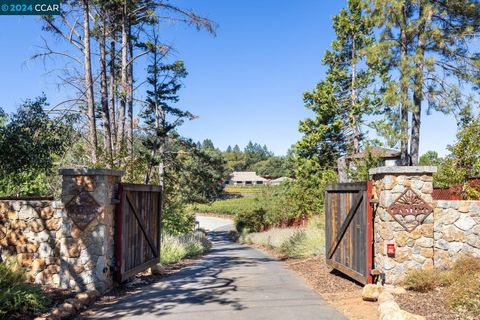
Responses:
[86,242]
[403,217]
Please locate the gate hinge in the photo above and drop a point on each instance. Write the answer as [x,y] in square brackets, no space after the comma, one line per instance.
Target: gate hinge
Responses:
[116,196]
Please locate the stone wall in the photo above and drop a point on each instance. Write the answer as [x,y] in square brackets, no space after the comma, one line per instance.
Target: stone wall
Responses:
[411,234]
[456,231]
[31,232]
[68,243]
[446,231]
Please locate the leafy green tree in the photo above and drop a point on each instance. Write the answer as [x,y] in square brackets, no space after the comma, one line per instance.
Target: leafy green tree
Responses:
[207,144]
[462,162]
[235,159]
[425,45]
[30,142]
[430,158]
[255,153]
[273,167]
[324,138]
[304,197]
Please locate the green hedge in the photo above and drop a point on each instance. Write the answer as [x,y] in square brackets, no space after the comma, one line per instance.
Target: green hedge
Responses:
[16,296]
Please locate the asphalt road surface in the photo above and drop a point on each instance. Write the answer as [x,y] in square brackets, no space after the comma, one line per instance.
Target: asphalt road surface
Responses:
[232,282]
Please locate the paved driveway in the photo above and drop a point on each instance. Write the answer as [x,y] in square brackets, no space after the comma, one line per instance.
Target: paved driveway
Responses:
[232,282]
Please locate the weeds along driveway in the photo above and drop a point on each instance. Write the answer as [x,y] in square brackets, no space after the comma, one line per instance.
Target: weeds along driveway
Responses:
[232,282]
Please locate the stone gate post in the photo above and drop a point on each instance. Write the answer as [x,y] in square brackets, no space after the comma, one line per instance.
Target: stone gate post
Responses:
[403,220]
[86,241]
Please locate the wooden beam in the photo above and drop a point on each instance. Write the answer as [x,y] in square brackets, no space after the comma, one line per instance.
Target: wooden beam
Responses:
[133,271]
[349,272]
[141,187]
[353,186]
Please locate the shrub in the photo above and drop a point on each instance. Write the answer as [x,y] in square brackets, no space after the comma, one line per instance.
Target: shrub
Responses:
[427,280]
[463,294]
[17,296]
[466,265]
[176,219]
[273,238]
[175,248]
[293,246]
[250,220]
[424,280]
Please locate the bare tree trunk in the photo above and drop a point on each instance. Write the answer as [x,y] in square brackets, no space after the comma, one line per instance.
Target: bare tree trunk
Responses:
[107,135]
[418,86]
[113,122]
[130,96]
[123,81]
[404,82]
[89,82]
[354,120]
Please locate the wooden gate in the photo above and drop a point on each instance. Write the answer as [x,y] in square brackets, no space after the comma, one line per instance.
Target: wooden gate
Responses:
[138,229]
[349,229]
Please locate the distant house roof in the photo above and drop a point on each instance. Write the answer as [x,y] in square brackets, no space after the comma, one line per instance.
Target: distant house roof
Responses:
[239,176]
[377,152]
[281,179]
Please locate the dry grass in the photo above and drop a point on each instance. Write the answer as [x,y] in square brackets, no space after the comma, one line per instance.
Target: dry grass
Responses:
[302,242]
[426,280]
[461,286]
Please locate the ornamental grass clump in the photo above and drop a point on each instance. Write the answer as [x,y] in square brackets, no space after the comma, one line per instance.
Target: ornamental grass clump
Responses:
[16,296]
[300,242]
[175,248]
[461,284]
[463,294]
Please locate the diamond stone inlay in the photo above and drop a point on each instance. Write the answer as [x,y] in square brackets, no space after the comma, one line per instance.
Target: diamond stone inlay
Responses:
[409,210]
[82,209]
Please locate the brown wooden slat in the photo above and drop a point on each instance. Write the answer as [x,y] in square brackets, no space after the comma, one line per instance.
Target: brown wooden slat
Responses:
[348,233]
[348,219]
[142,226]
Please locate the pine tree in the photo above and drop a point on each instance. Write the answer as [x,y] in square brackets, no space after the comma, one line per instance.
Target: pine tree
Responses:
[324,137]
[160,115]
[341,100]
[353,34]
[425,44]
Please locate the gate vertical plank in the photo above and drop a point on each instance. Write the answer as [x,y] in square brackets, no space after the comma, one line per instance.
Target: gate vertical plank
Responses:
[346,223]
[138,228]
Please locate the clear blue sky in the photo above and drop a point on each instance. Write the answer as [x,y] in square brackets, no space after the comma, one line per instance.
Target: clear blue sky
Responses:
[244,84]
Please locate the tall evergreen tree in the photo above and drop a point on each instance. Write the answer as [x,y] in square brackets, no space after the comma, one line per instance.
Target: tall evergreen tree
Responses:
[425,44]
[160,114]
[341,100]
[345,60]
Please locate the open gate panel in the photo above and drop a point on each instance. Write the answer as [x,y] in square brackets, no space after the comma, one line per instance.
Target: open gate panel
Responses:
[349,229]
